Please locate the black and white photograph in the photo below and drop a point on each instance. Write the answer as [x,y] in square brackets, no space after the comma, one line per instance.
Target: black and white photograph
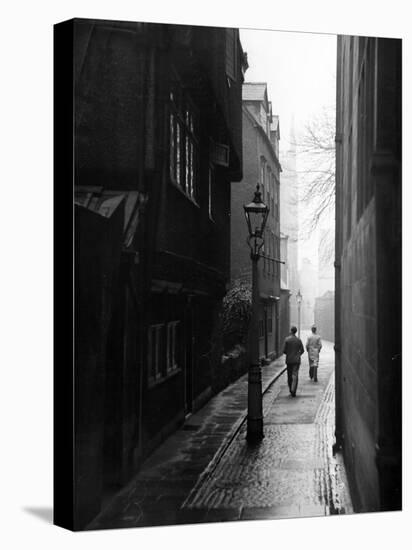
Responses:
[205,300]
[237,272]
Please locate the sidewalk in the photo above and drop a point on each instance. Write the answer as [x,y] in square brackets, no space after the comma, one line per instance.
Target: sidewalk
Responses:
[207,472]
[184,461]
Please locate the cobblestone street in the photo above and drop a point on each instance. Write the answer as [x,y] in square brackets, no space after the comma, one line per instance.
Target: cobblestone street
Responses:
[207,472]
[292,472]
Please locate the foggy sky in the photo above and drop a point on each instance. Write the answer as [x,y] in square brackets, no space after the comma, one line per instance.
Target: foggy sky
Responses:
[300,70]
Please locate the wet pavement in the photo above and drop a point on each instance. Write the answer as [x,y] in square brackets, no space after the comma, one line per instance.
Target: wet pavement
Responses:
[207,472]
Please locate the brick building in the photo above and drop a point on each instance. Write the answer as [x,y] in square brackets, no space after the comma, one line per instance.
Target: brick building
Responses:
[261,165]
[368,269]
[158,130]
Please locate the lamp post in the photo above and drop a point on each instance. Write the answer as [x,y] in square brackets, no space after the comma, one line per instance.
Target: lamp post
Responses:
[256,214]
[299,302]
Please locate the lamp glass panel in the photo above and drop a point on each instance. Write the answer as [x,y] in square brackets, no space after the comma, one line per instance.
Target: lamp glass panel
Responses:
[256,219]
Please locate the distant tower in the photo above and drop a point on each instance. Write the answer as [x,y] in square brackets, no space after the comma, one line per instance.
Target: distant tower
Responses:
[289,223]
[309,289]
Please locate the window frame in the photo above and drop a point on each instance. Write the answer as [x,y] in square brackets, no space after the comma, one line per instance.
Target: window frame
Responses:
[154,374]
[263,177]
[167,338]
[184,149]
[268,177]
[261,328]
[172,327]
[269,318]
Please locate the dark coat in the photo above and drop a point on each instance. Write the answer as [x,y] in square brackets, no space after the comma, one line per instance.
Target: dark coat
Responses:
[293,348]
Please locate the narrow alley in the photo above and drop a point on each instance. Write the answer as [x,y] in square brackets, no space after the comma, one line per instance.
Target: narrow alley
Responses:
[226,201]
[206,471]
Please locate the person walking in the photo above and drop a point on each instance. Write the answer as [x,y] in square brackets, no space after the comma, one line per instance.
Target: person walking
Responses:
[313,347]
[293,349]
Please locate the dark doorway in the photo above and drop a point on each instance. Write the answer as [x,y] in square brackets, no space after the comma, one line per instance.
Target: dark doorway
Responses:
[112,403]
[188,346]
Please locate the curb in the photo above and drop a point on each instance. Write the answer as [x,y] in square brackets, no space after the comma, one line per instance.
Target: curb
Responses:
[211,467]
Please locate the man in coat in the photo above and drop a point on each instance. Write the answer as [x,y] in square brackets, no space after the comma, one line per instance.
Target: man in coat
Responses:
[293,349]
[313,347]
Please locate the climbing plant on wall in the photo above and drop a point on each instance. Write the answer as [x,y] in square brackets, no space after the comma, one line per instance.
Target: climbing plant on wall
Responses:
[235,315]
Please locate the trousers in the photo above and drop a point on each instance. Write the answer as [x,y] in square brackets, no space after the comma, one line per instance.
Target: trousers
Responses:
[313,370]
[293,375]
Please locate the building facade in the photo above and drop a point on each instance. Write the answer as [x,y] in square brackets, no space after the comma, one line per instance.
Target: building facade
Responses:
[158,132]
[368,270]
[261,165]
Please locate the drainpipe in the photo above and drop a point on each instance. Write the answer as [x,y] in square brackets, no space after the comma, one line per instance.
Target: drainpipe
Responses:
[337,264]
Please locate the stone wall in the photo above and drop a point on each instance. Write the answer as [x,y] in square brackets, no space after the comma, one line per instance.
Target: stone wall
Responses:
[368,269]
[325,316]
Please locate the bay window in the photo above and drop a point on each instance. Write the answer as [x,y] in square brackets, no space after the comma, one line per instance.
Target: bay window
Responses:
[183,142]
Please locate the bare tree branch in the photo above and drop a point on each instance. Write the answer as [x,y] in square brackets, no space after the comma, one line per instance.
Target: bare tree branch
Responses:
[315,148]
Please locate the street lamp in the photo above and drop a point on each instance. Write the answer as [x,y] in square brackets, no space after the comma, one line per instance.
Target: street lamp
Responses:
[299,302]
[256,214]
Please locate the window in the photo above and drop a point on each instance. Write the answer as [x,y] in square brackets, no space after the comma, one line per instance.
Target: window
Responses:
[163,350]
[274,190]
[268,178]
[270,319]
[155,352]
[263,177]
[172,346]
[183,142]
[219,153]
[270,252]
[261,328]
